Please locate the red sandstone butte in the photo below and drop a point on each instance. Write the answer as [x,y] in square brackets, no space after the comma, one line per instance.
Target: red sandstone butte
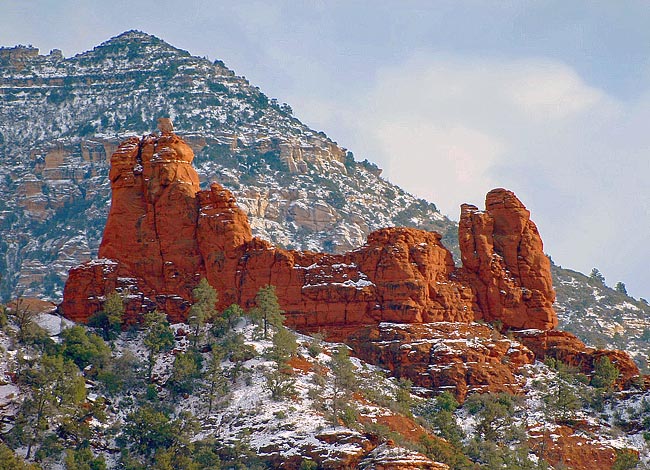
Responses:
[504,262]
[163,234]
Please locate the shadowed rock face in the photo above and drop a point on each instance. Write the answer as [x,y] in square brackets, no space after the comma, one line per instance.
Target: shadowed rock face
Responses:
[164,234]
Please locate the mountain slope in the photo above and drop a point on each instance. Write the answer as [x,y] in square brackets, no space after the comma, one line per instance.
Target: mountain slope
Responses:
[61,118]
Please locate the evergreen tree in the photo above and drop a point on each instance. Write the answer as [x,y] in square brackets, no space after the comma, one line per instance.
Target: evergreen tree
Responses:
[267,310]
[439,415]
[186,371]
[165,443]
[566,401]
[494,414]
[148,429]
[626,459]
[109,320]
[84,348]
[620,287]
[83,459]
[55,384]
[403,397]
[605,374]
[225,322]
[10,461]
[597,275]
[215,377]
[284,346]
[280,381]
[4,319]
[563,402]
[232,314]
[203,309]
[159,337]
[344,381]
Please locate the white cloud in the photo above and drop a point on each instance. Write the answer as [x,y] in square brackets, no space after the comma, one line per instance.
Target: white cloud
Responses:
[451,128]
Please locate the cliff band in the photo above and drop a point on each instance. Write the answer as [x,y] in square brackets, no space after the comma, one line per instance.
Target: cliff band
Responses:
[164,234]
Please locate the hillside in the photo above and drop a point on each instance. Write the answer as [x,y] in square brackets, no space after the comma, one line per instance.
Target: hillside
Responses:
[61,118]
[163,396]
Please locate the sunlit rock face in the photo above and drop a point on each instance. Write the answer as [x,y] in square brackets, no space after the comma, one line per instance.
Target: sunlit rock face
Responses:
[163,234]
[398,300]
[504,262]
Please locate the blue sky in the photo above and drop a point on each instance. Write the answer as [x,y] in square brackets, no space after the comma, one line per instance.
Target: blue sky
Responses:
[452,98]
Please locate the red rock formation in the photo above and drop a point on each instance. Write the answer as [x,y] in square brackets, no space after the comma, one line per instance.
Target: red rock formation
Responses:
[563,447]
[163,234]
[567,348]
[504,262]
[456,357]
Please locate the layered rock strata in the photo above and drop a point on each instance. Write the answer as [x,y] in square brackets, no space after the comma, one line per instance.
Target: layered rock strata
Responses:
[399,300]
[504,262]
[164,234]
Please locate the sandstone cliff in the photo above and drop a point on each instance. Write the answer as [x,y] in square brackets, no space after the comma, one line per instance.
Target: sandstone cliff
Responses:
[163,234]
[503,257]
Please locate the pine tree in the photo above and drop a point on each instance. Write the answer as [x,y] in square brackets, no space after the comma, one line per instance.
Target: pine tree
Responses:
[344,380]
[83,459]
[566,400]
[185,372]
[620,287]
[284,346]
[55,384]
[280,380]
[215,377]
[233,313]
[203,309]
[225,322]
[84,348]
[159,336]
[10,461]
[403,397]
[597,275]
[109,320]
[605,374]
[267,309]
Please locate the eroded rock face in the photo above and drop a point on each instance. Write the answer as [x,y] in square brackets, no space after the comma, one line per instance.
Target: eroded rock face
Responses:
[163,234]
[398,300]
[567,348]
[504,262]
[572,448]
[456,357]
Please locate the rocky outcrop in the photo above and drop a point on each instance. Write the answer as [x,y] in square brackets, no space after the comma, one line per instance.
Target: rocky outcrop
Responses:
[456,357]
[565,447]
[163,234]
[567,348]
[504,261]
[385,457]
[399,300]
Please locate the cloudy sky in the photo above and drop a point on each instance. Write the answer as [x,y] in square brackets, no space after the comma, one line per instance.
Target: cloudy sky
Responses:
[550,99]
